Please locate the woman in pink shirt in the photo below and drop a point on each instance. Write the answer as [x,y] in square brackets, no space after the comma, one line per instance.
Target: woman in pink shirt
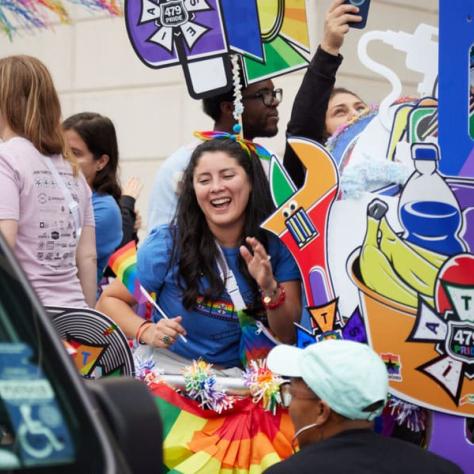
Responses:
[45,203]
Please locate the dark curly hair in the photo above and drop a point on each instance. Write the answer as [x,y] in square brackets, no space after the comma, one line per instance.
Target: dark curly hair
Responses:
[194,245]
[98,133]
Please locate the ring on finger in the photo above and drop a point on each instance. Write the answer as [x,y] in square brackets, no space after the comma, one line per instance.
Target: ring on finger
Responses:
[166,340]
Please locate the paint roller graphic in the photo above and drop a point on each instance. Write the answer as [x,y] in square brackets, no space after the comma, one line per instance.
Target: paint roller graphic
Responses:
[421,56]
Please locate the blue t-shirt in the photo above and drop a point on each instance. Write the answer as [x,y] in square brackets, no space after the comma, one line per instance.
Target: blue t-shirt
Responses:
[108,228]
[213,328]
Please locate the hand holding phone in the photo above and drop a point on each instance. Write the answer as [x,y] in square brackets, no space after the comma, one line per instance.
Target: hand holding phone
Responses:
[363,6]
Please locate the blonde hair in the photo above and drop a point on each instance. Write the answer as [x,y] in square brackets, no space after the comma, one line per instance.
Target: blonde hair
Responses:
[30,105]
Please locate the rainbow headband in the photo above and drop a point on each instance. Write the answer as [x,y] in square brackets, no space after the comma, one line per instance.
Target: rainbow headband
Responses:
[248,146]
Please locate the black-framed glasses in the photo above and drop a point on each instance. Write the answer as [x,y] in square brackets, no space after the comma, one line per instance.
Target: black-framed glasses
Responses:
[269,97]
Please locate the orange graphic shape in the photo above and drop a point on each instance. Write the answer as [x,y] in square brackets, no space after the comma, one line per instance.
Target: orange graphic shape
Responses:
[324,316]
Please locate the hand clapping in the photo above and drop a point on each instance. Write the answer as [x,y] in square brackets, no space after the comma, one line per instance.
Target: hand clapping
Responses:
[258,264]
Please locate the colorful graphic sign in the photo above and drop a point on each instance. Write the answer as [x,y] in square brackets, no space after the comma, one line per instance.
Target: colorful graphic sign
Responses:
[456,40]
[272,38]
[301,222]
[284,33]
[186,32]
[416,288]
[100,347]
[400,235]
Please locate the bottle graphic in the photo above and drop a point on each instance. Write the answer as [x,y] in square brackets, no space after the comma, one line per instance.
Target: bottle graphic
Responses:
[428,209]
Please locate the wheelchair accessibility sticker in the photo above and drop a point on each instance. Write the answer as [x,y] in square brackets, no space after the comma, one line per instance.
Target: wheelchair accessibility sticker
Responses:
[40,431]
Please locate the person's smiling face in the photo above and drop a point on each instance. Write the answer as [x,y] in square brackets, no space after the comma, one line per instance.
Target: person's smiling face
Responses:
[222,190]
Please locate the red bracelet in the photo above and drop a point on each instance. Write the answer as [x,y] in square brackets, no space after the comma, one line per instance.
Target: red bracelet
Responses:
[267,301]
[141,330]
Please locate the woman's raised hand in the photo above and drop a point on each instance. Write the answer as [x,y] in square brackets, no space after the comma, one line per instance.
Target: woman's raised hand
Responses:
[258,264]
[133,187]
[163,333]
[336,25]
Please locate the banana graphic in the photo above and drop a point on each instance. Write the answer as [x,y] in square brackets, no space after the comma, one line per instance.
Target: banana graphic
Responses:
[436,259]
[412,267]
[376,270]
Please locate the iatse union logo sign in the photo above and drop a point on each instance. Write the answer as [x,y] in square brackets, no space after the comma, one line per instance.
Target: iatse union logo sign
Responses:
[452,334]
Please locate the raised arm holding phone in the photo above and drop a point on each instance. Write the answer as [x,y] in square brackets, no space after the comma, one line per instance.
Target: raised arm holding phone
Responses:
[308,116]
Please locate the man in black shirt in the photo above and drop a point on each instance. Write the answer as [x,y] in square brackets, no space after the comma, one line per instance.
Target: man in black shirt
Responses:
[337,388]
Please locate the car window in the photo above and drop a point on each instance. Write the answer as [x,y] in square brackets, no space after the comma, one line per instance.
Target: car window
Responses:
[44,423]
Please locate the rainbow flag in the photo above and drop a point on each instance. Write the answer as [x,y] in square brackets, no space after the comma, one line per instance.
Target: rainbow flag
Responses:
[123,262]
[242,440]
[256,340]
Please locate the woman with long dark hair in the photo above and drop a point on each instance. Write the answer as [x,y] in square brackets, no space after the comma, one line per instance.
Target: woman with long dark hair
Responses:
[45,206]
[213,261]
[93,142]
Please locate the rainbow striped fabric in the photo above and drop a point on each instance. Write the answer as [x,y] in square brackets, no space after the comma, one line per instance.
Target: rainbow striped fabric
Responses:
[221,309]
[247,145]
[245,439]
[256,341]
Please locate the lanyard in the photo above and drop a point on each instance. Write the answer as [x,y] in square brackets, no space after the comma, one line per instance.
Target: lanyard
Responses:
[72,204]
[230,282]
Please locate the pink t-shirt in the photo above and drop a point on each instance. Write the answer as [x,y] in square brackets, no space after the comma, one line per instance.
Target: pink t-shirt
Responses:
[45,242]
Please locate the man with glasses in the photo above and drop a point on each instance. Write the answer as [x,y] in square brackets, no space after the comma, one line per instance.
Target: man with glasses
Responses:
[336,390]
[260,119]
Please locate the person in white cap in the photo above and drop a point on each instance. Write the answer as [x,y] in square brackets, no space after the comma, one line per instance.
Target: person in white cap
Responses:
[337,389]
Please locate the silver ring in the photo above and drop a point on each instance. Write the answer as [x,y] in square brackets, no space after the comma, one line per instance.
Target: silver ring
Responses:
[269,257]
[166,340]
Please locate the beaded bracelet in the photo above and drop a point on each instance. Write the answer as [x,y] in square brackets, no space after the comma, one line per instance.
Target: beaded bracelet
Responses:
[267,300]
[140,330]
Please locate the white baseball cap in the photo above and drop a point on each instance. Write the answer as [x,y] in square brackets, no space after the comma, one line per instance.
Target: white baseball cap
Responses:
[349,376]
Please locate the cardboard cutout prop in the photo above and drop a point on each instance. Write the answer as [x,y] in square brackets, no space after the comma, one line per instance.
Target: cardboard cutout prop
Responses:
[100,347]
[400,255]
[302,222]
[284,33]
[455,90]
[189,32]
[271,36]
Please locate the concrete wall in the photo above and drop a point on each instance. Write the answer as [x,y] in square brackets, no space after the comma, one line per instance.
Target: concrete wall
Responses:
[95,69]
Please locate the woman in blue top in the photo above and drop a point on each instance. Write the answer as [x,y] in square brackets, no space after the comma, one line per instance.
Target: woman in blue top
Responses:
[93,141]
[224,199]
